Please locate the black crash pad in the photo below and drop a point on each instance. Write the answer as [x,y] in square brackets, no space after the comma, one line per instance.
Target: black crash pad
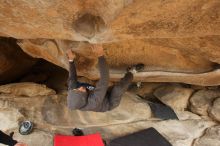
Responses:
[148,137]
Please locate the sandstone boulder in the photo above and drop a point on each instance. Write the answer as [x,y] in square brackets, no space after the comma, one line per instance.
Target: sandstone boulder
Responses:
[50,114]
[210,138]
[214,112]
[175,97]
[146,89]
[9,118]
[202,100]
[26,89]
[51,111]
[37,138]
[131,109]
[186,115]
[178,41]
[127,19]
[186,68]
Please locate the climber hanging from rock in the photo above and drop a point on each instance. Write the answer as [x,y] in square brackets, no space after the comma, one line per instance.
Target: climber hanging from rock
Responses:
[100,98]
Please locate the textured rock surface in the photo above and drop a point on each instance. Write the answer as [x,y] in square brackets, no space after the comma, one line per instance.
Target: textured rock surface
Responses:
[146,89]
[37,138]
[51,116]
[187,68]
[210,138]
[215,110]
[140,19]
[139,111]
[185,115]
[201,101]
[174,96]
[26,89]
[178,41]
[9,118]
[51,109]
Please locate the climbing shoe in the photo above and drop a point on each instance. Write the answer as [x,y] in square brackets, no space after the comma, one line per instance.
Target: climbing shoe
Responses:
[77,132]
[136,68]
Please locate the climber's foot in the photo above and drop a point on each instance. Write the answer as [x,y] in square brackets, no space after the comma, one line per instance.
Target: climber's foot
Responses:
[136,68]
[139,84]
[77,132]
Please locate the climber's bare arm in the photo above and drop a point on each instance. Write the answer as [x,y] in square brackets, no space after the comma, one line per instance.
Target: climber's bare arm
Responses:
[70,55]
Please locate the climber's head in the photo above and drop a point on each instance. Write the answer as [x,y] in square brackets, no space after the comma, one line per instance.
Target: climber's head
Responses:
[77,98]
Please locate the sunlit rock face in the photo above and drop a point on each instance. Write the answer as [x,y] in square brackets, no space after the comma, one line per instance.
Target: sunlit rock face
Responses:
[124,19]
[178,41]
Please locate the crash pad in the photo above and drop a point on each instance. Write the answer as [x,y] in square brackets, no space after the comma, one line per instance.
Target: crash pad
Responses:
[88,140]
[147,137]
